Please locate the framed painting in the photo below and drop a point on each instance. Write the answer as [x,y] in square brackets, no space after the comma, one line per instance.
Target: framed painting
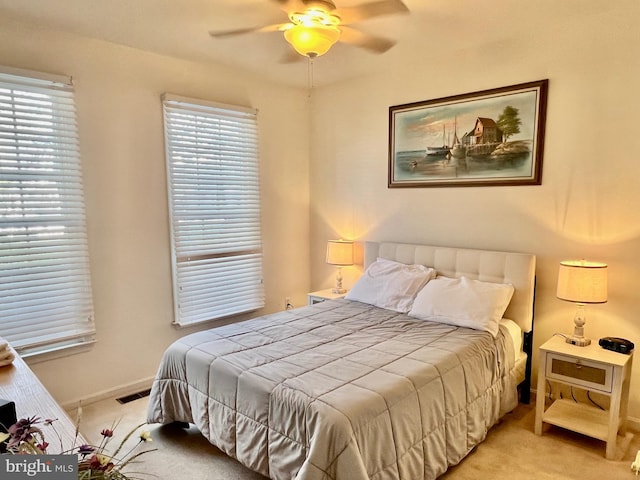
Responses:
[492,137]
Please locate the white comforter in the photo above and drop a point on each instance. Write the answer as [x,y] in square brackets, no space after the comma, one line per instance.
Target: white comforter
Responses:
[338,390]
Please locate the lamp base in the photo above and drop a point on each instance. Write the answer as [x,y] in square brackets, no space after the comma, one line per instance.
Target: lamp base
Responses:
[578,341]
[338,290]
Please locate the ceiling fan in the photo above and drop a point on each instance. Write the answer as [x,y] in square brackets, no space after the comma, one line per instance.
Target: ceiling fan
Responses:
[314,26]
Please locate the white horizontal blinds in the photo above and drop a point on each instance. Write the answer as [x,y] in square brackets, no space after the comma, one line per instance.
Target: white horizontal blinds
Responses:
[45,290]
[214,195]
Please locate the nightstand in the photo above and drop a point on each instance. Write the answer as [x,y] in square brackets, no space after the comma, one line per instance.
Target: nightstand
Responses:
[322,295]
[590,368]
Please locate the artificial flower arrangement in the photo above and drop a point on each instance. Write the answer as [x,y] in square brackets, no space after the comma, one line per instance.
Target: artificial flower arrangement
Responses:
[25,437]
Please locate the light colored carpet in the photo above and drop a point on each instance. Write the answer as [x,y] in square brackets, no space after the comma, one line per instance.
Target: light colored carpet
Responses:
[511,450]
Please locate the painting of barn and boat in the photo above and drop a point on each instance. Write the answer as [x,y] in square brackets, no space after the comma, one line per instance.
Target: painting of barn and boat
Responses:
[492,137]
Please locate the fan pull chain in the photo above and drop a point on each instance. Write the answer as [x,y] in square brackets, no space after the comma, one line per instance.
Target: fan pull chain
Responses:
[310,75]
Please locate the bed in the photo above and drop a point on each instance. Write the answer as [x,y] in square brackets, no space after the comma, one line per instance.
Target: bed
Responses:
[347,390]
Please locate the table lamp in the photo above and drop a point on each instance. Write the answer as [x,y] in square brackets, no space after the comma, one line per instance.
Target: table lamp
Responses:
[340,253]
[581,282]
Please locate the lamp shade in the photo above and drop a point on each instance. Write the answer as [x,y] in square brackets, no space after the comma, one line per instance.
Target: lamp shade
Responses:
[580,281]
[340,252]
[312,41]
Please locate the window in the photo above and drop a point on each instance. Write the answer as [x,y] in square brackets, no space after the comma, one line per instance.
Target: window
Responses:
[214,203]
[45,288]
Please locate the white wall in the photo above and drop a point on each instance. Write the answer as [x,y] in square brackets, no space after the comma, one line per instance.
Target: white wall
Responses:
[588,205]
[121,135]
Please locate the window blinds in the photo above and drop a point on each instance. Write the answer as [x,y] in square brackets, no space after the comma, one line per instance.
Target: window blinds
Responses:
[214,202]
[45,290]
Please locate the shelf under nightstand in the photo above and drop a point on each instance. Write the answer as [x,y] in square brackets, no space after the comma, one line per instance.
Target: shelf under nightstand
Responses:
[579,417]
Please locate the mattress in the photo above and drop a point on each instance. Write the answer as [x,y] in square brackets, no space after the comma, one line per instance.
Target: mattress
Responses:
[340,390]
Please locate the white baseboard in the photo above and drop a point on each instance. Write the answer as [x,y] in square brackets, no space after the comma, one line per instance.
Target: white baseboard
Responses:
[116,392]
[633,424]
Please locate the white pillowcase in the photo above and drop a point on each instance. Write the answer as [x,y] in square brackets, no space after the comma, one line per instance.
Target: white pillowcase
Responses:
[463,302]
[391,285]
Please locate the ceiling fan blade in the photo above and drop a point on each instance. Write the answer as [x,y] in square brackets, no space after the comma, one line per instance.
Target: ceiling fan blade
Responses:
[240,31]
[291,5]
[350,15]
[365,40]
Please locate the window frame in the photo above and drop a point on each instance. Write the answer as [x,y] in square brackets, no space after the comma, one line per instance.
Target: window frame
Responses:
[47,300]
[212,149]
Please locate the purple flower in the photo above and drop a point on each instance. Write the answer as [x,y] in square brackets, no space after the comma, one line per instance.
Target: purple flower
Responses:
[85,450]
[24,424]
[22,431]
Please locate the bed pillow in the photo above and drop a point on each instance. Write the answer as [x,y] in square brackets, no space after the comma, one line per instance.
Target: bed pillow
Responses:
[463,302]
[391,285]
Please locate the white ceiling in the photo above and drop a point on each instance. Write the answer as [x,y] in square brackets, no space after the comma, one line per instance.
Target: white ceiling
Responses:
[180,28]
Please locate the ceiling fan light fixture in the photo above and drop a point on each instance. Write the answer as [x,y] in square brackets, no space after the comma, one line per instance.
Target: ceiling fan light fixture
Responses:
[312,41]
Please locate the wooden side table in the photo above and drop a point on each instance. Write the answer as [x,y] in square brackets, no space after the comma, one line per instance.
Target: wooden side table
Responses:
[19,384]
[590,368]
[322,295]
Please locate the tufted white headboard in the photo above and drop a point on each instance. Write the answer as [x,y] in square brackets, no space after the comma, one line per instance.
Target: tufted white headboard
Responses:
[518,269]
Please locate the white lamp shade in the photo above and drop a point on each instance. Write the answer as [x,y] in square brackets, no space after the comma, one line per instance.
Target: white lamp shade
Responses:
[340,252]
[580,281]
